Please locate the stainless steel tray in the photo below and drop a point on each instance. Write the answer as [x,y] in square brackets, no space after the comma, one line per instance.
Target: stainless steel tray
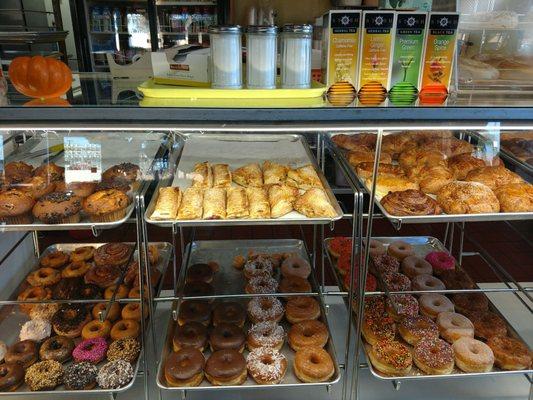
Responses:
[115,150]
[11,319]
[397,220]
[423,245]
[228,281]
[237,150]
[224,252]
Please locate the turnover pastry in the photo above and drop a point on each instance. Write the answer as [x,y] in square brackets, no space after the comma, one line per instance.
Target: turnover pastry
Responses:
[258,202]
[418,158]
[248,175]
[304,177]
[168,204]
[191,204]
[397,143]
[467,198]
[281,198]
[356,157]
[515,197]
[410,202]
[356,141]
[449,146]
[237,203]
[493,177]
[201,176]
[221,176]
[274,173]
[314,204]
[365,170]
[386,184]
[214,204]
[462,164]
[432,178]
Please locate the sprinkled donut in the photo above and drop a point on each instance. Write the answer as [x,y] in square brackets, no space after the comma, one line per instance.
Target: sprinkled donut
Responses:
[434,356]
[265,309]
[259,266]
[384,264]
[413,329]
[115,374]
[263,284]
[266,334]
[406,305]
[92,350]
[266,365]
[397,282]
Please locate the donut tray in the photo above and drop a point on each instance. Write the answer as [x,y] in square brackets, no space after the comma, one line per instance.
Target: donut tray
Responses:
[115,149]
[229,281]
[237,150]
[423,245]
[357,182]
[12,318]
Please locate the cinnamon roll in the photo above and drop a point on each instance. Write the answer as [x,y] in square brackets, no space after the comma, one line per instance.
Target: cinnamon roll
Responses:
[103,275]
[115,254]
[410,202]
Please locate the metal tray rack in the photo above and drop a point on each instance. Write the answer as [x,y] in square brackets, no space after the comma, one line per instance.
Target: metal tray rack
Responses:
[423,245]
[399,220]
[237,150]
[36,150]
[223,252]
[11,318]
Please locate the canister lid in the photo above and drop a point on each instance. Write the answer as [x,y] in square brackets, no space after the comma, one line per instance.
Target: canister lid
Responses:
[225,29]
[266,29]
[303,28]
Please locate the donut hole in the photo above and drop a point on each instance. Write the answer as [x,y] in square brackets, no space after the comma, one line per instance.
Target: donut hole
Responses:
[3,372]
[314,359]
[265,305]
[122,327]
[94,328]
[308,333]
[267,360]
[55,345]
[226,334]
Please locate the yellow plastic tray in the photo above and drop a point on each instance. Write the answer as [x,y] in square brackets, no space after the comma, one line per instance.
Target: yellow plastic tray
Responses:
[151,89]
[233,103]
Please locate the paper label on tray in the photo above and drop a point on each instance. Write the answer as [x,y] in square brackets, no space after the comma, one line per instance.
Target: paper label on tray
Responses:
[83,160]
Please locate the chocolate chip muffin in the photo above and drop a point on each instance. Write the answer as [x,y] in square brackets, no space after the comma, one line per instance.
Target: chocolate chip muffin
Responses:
[15,207]
[127,171]
[50,171]
[80,189]
[58,208]
[106,205]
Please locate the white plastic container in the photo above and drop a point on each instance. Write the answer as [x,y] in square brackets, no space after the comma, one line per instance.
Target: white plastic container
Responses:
[261,55]
[226,60]
[296,49]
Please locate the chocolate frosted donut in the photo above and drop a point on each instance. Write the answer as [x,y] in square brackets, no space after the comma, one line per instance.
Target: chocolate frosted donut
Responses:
[126,171]
[456,279]
[194,310]
[198,289]
[103,275]
[116,254]
[226,367]
[11,376]
[227,336]
[185,367]
[230,312]
[23,353]
[58,348]
[199,272]
[69,320]
[66,289]
[192,334]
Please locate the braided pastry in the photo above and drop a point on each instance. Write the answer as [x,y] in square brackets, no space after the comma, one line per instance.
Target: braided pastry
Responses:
[410,202]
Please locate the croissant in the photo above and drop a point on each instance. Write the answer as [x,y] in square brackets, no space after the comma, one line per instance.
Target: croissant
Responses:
[410,202]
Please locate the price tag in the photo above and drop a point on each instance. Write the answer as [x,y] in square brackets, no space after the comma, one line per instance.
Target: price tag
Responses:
[490,144]
[83,160]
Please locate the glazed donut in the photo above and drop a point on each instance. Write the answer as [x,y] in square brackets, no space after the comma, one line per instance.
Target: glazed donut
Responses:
[396,282]
[44,277]
[95,328]
[378,327]
[294,284]
[113,254]
[69,320]
[23,353]
[400,250]
[456,279]
[295,266]
[83,253]
[120,292]
[259,266]
[265,334]
[414,329]
[55,259]
[376,248]
[468,303]
[194,310]
[313,364]
[192,334]
[75,269]
[102,275]
[309,333]
[440,261]
[34,293]
[124,329]
[509,353]
[391,357]
[112,315]
[453,326]
[261,285]
[229,312]
[383,264]
[227,336]
[199,272]
[413,266]
[406,306]
[133,311]
[124,349]
[44,375]
[198,289]
[427,282]
[226,367]
[265,309]
[432,304]
[11,376]
[90,350]
[434,356]
[185,368]
[58,348]
[339,245]
[267,366]
[488,324]
[471,355]
[301,308]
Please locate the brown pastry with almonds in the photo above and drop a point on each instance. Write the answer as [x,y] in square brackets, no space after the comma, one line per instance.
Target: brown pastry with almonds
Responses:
[410,202]
[304,178]
[493,177]
[355,157]
[515,197]
[365,170]
[248,175]
[432,179]
[467,198]
[386,184]
[314,204]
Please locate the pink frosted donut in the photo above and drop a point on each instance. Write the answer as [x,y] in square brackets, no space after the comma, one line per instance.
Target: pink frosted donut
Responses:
[440,261]
[90,350]
[295,266]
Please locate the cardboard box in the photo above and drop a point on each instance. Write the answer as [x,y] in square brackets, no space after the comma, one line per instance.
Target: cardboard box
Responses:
[422,5]
[183,65]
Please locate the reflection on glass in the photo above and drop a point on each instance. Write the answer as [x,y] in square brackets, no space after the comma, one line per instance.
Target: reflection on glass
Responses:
[83,160]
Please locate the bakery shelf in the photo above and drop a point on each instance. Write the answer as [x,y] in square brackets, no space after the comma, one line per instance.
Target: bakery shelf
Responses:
[236,150]
[423,245]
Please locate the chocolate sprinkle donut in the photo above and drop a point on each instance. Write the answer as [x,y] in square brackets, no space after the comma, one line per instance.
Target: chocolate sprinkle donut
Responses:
[80,376]
[115,374]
